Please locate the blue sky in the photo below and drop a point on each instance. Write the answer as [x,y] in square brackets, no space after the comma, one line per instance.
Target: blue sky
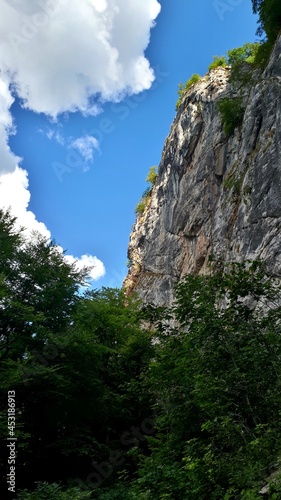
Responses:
[86,171]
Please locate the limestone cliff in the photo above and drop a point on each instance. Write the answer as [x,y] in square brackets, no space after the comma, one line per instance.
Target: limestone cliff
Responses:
[214,194]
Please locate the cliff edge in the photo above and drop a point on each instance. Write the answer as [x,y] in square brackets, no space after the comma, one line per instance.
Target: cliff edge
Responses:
[215,194]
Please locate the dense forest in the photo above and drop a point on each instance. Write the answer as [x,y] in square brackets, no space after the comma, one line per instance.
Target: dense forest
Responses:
[103,397]
[117,400]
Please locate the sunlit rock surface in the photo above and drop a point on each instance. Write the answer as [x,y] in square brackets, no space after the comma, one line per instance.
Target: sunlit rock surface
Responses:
[214,195]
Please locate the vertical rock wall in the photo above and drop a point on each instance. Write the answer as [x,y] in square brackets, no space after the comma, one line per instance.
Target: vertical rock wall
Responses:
[214,194]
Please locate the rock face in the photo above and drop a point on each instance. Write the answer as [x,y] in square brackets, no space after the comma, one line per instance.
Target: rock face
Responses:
[214,195]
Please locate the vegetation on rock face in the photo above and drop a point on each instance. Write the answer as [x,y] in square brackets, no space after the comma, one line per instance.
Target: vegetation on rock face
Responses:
[183,88]
[242,61]
[219,61]
[152,175]
[140,207]
[232,113]
[269,12]
[146,195]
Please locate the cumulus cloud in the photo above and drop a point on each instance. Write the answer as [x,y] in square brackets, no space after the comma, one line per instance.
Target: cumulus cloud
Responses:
[65,56]
[8,160]
[15,196]
[59,53]
[85,146]
[95,266]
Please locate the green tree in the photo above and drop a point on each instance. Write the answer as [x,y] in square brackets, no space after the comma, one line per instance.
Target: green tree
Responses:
[38,289]
[242,60]
[75,362]
[269,12]
[216,385]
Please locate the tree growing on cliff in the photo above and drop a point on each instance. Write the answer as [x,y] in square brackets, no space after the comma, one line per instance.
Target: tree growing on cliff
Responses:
[269,12]
[152,175]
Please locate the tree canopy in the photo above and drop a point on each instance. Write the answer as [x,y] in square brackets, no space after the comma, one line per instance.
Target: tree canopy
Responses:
[107,409]
[269,12]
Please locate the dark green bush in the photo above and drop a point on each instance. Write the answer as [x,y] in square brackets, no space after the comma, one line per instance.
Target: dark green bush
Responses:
[269,12]
[232,113]
[263,54]
[53,491]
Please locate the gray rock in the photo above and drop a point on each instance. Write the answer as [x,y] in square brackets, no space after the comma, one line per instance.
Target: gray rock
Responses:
[214,195]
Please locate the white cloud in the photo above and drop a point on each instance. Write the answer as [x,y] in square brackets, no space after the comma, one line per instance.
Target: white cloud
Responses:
[96,266]
[8,160]
[86,146]
[54,134]
[59,53]
[64,56]
[14,194]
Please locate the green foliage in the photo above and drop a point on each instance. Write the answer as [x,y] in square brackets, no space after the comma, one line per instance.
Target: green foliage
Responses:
[140,207]
[87,375]
[45,491]
[232,113]
[234,183]
[142,204]
[242,60]
[146,195]
[217,62]
[38,289]
[269,12]
[152,175]
[75,363]
[263,54]
[246,53]
[216,385]
[183,88]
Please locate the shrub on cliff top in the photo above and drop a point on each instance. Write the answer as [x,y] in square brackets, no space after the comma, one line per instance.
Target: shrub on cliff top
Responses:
[183,88]
[217,62]
[241,60]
